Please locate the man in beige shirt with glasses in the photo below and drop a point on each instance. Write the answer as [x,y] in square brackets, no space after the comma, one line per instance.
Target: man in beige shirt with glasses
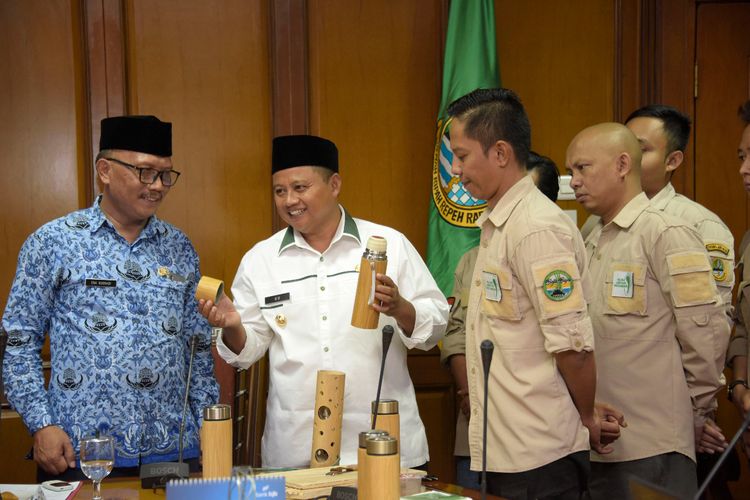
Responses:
[658,319]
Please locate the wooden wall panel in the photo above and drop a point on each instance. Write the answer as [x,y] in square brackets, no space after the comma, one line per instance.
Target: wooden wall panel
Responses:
[204,66]
[375,78]
[41,125]
[560,61]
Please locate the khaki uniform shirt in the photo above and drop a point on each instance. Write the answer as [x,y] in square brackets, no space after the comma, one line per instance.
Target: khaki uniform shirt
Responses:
[660,329]
[454,341]
[528,295]
[715,234]
[739,344]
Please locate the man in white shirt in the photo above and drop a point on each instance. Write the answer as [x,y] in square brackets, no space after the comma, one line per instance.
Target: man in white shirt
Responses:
[294,295]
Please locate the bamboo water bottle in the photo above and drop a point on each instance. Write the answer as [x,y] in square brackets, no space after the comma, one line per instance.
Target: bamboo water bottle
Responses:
[383,479]
[387,417]
[373,261]
[362,454]
[216,441]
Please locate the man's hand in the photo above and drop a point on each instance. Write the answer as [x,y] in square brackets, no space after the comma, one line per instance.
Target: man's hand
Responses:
[464,402]
[389,302]
[224,315]
[741,399]
[593,424]
[221,314]
[709,438]
[610,420]
[53,451]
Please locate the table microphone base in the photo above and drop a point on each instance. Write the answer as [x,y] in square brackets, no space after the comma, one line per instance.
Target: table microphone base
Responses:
[156,475]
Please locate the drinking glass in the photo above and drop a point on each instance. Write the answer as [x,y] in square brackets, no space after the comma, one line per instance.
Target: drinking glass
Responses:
[97,459]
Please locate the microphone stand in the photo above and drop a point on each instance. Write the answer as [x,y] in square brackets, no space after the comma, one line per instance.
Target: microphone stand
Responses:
[723,457]
[387,337]
[487,348]
[156,475]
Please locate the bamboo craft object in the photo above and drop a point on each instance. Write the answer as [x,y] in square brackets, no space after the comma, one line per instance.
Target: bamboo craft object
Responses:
[209,289]
[374,261]
[388,418]
[328,419]
[216,441]
[383,479]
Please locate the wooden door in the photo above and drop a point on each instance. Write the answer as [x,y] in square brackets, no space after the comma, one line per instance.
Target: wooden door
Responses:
[723,83]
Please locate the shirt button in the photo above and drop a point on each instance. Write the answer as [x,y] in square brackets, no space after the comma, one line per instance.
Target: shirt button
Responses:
[477,283]
[473,371]
[325,349]
[325,317]
[598,256]
[322,289]
[321,258]
[484,244]
[577,343]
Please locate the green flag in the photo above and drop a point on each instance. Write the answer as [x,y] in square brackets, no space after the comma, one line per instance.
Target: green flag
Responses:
[470,63]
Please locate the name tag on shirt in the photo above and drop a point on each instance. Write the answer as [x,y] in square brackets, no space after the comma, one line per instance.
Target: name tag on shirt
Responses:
[101,283]
[622,284]
[273,299]
[492,286]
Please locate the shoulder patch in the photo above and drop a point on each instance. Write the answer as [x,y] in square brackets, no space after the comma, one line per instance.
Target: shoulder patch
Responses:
[719,269]
[717,247]
[557,285]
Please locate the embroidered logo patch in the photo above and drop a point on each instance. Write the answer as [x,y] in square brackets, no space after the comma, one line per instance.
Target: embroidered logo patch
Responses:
[558,285]
[718,269]
[717,247]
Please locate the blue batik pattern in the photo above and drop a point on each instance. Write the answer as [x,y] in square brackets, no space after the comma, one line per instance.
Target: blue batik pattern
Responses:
[119,353]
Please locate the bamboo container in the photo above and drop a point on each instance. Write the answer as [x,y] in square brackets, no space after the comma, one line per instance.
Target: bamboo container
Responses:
[209,289]
[383,478]
[362,453]
[328,419]
[373,261]
[216,441]
[388,418]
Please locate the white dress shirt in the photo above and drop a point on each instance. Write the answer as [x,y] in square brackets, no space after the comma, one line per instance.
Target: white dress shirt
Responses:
[297,303]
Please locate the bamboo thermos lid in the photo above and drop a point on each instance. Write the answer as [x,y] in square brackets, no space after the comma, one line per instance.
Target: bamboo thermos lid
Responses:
[217,412]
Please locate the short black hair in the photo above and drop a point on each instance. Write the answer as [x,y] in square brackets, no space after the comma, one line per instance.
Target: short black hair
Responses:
[744,112]
[676,124]
[493,115]
[549,175]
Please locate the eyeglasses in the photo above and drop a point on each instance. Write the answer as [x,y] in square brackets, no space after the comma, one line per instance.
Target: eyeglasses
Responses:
[149,175]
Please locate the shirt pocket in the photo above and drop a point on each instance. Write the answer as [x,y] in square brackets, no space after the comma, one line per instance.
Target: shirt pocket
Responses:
[614,302]
[506,308]
[692,279]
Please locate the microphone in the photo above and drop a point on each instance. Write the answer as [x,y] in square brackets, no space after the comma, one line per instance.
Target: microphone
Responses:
[723,457]
[387,337]
[156,475]
[487,348]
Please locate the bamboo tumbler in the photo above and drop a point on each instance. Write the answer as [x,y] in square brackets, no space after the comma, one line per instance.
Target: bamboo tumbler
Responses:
[388,418]
[216,441]
[383,479]
[209,289]
[373,261]
[362,454]
[328,418]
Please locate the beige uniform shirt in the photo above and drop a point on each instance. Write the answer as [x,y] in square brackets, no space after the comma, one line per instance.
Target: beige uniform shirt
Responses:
[454,341]
[739,345]
[715,234]
[660,329]
[528,295]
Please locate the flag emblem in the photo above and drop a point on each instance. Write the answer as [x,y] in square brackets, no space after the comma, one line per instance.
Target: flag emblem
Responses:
[455,204]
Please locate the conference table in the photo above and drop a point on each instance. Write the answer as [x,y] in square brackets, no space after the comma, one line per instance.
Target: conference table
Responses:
[130,489]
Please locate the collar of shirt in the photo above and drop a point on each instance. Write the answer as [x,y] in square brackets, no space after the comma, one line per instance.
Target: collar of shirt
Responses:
[347,228]
[97,219]
[507,203]
[631,211]
[663,197]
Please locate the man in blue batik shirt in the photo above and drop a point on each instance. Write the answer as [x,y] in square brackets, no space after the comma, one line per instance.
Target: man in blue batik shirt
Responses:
[113,286]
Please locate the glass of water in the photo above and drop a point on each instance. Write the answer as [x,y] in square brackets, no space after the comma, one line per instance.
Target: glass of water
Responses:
[97,459]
